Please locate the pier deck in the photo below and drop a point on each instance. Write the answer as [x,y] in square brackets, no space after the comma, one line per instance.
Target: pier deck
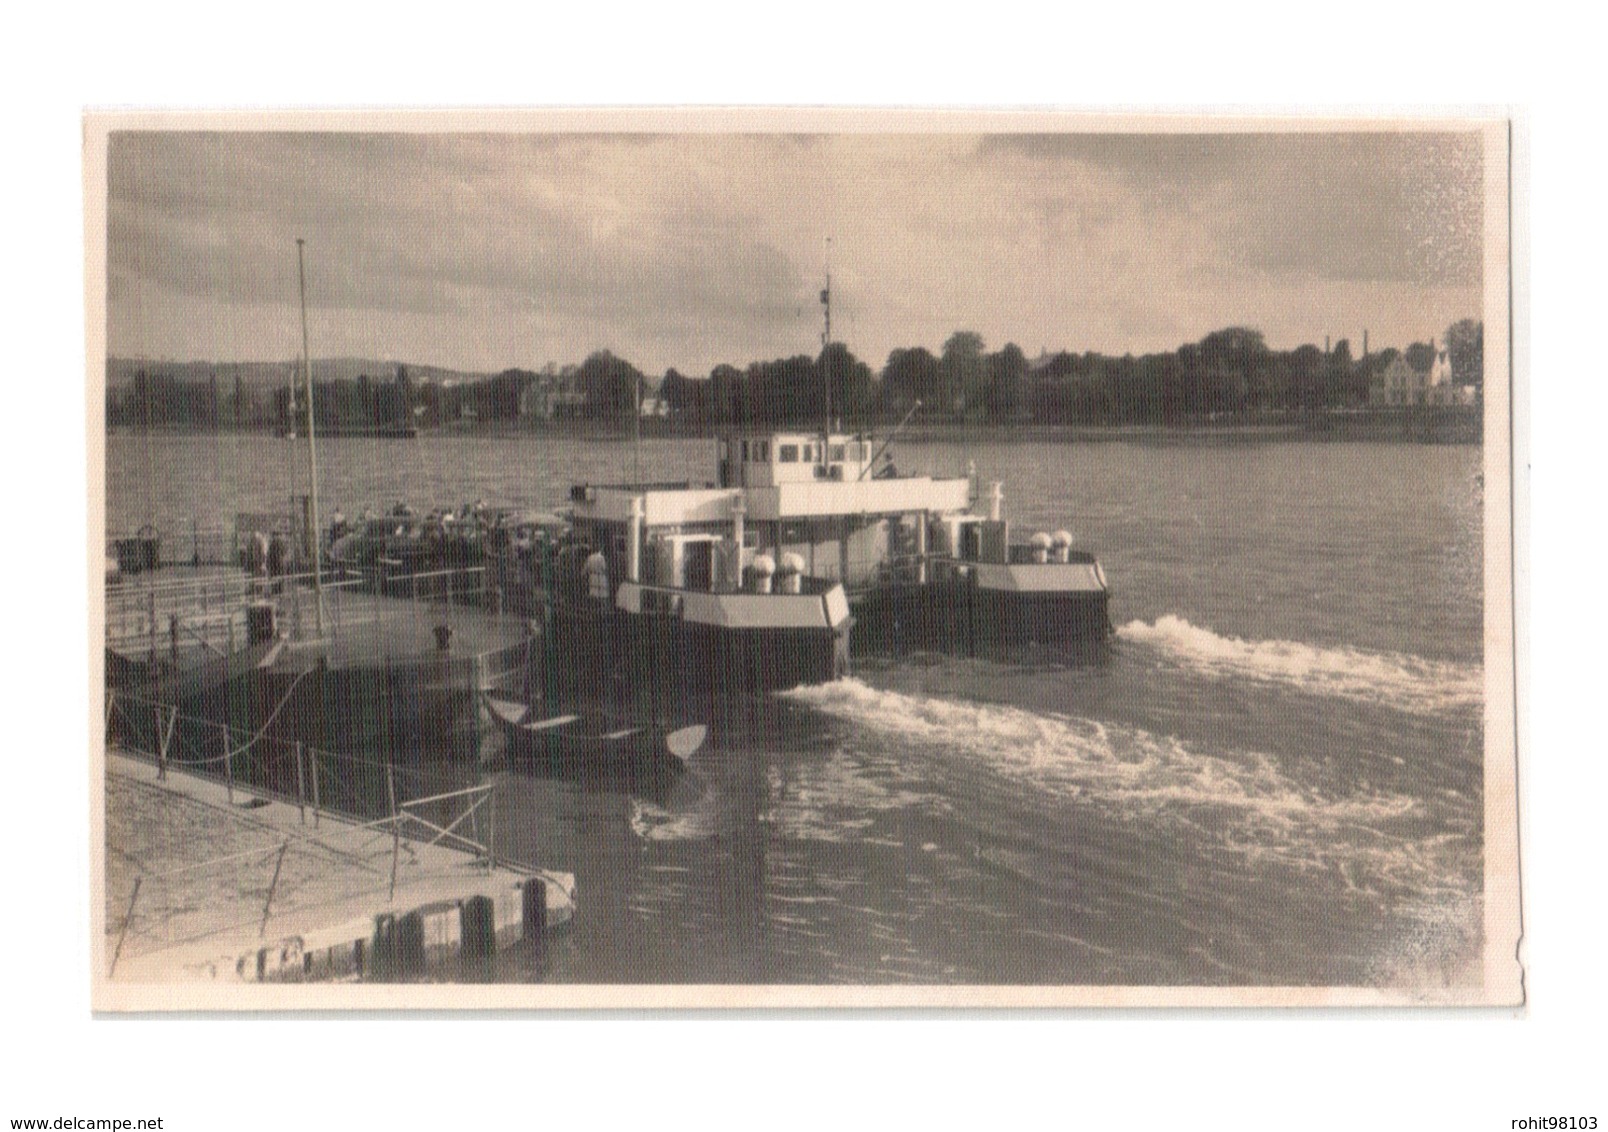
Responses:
[255,890]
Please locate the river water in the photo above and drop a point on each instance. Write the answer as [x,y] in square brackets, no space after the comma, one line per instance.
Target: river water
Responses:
[1273,776]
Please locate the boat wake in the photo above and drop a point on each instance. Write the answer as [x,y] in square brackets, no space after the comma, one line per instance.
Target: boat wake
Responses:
[1407,682]
[1371,840]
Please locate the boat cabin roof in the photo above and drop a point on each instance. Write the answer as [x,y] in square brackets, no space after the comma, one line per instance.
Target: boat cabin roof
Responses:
[778,475]
[766,459]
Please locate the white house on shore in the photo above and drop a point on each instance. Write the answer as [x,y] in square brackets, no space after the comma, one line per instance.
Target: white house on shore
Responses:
[1399,385]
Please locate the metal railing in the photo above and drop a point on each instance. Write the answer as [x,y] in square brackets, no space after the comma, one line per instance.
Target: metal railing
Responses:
[373,795]
[165,615]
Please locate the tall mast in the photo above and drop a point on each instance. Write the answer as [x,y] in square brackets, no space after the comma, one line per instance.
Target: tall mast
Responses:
[312,447]
[290,434]
[826,343]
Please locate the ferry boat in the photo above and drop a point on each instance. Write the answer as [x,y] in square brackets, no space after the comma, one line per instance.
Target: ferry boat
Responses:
[759,575]
[922,567]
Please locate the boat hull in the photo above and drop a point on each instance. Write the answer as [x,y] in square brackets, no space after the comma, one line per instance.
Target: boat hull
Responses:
[595,649]
[967,614]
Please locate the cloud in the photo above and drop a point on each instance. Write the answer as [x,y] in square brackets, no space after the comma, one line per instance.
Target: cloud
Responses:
[692,249]
[1389,206]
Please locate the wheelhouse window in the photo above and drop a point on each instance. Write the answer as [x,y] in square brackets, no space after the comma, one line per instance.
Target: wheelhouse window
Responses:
[787,453]
[835,454]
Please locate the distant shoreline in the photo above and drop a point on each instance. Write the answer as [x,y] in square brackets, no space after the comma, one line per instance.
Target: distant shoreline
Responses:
[1431,426]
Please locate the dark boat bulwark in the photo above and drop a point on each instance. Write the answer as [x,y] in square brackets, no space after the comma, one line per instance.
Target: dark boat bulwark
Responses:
[692,641]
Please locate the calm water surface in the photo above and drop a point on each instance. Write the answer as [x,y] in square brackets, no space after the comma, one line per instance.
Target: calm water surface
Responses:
[1273,776]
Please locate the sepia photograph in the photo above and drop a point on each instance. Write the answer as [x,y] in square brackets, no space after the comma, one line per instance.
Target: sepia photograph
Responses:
[800,558]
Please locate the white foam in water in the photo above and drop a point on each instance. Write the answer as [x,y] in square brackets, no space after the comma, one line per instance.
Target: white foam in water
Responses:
[655,823]
[1133,772]
[1408,682]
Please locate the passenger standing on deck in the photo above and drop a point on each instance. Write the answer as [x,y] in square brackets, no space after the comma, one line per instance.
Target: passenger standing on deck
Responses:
[596,570]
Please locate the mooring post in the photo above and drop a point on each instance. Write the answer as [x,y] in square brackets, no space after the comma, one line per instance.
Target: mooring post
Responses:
[273,884]
[533,921]
[301,786]
[477,932]
[128,918]
[410,953]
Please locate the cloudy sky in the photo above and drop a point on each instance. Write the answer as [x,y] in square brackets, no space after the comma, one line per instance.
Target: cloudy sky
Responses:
[484,251]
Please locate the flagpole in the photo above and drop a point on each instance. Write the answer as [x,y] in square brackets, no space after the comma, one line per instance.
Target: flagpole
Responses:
[826,362]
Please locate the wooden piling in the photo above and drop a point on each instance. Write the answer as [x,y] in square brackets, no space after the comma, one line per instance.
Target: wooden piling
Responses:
[382,949]
[534,914]
[410,957]
[477,930]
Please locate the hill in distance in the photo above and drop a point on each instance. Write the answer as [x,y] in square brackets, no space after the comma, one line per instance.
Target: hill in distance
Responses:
[120,371]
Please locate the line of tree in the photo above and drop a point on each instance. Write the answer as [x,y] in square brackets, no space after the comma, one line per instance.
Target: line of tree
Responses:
[1228,372]
[158,399]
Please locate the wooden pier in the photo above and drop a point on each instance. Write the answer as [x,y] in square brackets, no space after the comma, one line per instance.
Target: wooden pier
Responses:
[214,881]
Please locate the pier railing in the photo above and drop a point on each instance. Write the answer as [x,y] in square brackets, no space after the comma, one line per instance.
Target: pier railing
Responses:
[189,543]
[394,806]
